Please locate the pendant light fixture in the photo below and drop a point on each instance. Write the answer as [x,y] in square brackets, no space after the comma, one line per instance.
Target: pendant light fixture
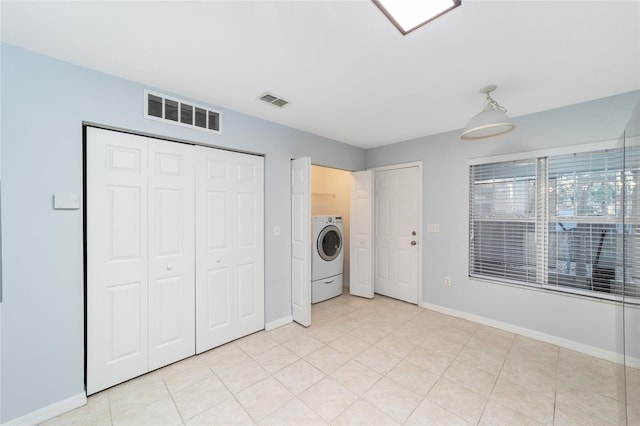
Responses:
[491,121]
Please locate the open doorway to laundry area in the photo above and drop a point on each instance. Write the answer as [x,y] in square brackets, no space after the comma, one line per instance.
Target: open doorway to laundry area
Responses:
[384,204]
[330,198]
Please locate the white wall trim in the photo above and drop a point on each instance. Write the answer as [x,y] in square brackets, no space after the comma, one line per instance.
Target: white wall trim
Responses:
[564,150]
[278,323]
[544,337]
[50,411]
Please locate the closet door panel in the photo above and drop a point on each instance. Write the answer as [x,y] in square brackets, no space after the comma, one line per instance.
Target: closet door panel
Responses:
[229,238]
[116,197]
[171,225]
[249,249]
[215,310]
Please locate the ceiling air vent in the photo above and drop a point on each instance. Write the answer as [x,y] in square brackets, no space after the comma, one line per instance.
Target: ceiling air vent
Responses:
[179,112]
[273,100]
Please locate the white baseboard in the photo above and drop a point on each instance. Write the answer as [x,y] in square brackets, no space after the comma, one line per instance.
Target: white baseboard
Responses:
[50,411]
[278,323]
[548,338]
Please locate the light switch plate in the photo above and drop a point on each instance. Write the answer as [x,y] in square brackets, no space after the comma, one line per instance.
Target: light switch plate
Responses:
[66,201]
[433,227]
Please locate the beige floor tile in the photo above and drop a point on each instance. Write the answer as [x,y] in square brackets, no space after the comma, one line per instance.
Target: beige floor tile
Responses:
[591,403]
[341,308]
[223,357]
[184,373]
[368,333]
[276,358]
[226,413]
[256,343]
[536,348]
[378,360]
[428,413]
[242,375]
[321,314]
[356,377]
[567,415]
[349,345]
[95,412]
[325,333]
[136,393]
[287,332]
[299,376]
[433,361]
[200,396]
[410,333]
[346,324]
[529,377]
[364,314]
[532,404]
[458,400]
[479,381]
[388,353]
[263,398]
[395,345]
[328,398]
[385,322]
[326,359]
[496,414]
[482,358]
[583,371]
[303,345]
[364,414]
[392,399]
[416,378]
[443,344]
[523,357]
[293,413]
[499,340]
[159,413]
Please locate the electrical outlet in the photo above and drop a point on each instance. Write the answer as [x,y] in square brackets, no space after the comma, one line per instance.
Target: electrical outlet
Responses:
[447,281]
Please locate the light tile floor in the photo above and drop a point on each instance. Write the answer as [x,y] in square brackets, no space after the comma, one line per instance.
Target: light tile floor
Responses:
[370,362]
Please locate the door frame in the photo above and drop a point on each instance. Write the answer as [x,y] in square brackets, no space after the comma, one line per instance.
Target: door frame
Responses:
[420,240]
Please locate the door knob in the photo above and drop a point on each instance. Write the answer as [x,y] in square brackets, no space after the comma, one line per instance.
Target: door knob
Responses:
[413,243]
[413,233]
[169,267]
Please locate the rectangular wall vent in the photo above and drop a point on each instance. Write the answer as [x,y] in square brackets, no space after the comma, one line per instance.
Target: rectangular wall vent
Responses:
[182,113]
[272,99]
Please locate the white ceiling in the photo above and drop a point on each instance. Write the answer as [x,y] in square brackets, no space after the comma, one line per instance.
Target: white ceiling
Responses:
[347,72]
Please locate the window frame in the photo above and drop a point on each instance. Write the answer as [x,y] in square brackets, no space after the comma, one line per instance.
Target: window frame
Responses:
[542,218]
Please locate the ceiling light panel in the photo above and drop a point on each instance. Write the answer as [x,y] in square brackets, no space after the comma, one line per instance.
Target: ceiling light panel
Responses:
[407,15]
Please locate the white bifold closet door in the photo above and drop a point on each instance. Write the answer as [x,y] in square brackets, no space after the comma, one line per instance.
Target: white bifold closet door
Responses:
[175,252]
[140,255]
[229,246]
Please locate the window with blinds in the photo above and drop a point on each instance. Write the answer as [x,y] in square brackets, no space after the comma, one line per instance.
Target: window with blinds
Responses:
[565,222]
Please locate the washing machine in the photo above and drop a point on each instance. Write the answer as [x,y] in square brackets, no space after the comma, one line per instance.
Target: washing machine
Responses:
[327,258]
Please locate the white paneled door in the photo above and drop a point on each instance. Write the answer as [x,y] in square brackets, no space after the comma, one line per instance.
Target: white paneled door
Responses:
[171,236]
[229,246]
[301,240]
[117,290]
[175,252]
[397,229]
[361,247]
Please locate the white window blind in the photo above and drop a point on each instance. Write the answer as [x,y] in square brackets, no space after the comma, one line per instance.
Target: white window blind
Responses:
[565,222]
[503,219]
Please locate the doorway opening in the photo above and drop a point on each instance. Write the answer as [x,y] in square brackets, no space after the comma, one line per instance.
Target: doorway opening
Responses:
[330,196]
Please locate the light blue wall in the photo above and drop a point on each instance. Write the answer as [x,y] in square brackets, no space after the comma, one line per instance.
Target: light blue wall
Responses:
[446,202]
[44,103]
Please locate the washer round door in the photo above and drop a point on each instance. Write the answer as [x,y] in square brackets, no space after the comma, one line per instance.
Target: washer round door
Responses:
[329,243]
